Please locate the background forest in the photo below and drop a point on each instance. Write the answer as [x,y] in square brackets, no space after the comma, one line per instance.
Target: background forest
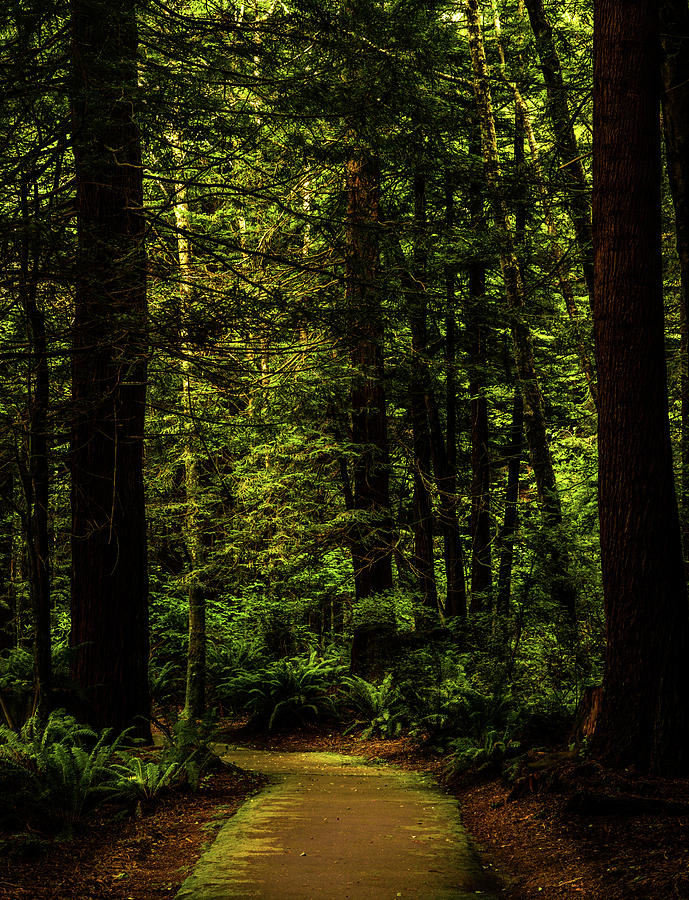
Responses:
[339,256]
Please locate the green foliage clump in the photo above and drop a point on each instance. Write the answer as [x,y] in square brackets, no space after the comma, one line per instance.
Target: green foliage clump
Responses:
[16,684]
[56,772]
[289,691]
[480,755]
[188,748]
[143,782]
[379,708]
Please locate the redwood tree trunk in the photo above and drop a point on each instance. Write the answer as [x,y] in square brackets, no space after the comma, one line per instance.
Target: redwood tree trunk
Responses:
[644,720]
[371,537]
[109,573]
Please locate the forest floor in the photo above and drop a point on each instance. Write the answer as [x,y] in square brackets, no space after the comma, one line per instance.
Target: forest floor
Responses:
[570,831]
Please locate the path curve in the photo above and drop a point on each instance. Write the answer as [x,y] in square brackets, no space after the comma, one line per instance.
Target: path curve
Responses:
[332,827]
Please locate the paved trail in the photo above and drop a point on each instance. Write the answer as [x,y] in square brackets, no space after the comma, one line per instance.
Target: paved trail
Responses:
[333,828]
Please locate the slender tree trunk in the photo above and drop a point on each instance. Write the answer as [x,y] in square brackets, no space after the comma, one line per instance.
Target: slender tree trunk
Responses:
[7,612]
[37,483]
[515,448]
[675,68]
[109,569]
[558,254]
[443,444]
[445,463]
[534,413]
[195,692]
[644,719]
[511,520]
[684,475]
[446,479]
[481,555]
[566,145]
[372,534]
[423,565]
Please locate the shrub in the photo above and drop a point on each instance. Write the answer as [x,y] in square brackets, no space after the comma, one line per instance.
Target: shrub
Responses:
[57,771]
[379,708]
[140,781]
[289,690]
[188,746]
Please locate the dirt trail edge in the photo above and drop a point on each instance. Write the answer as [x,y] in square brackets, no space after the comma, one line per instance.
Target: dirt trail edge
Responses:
[330,827]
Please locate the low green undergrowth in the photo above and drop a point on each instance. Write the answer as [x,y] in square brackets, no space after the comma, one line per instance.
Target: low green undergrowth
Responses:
[57,775]
[288,692]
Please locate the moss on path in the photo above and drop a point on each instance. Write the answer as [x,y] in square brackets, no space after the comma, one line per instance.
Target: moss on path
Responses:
[330,827]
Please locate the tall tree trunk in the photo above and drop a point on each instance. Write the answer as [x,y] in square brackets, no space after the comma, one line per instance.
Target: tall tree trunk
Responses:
[511,519]
[515,447]
[195,690]
[37,482]
[644,720]
[7,613]
[534,413]
[446,462]
[675,67]
[372,534]
[481,556]
[566,145]
[523,123]
[423,565]
[443,446]
[109,569]
[446,479]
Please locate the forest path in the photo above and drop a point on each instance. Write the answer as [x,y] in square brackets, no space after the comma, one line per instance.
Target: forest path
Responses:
[331,827]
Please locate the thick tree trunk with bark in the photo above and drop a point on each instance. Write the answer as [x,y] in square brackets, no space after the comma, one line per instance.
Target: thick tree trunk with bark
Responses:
[372,534]
[109,559]
[644,719]
[566,145]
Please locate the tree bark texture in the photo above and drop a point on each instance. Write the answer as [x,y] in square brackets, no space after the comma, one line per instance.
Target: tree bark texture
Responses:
[644,720]
[109,570]
[372,530]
